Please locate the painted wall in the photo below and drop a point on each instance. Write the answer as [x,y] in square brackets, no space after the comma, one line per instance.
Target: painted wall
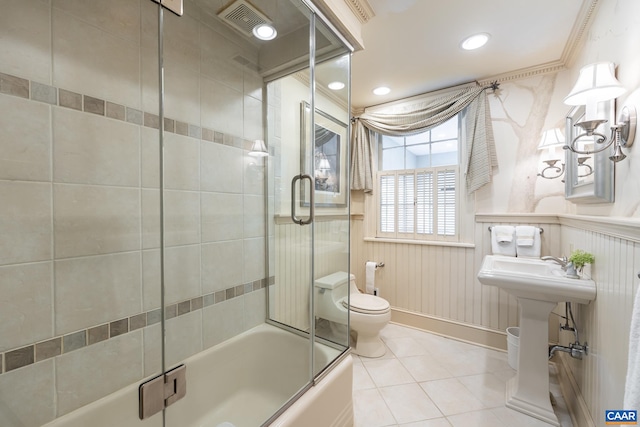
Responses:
[414,278]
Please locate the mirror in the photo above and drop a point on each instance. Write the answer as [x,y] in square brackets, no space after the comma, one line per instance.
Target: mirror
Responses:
[589,178]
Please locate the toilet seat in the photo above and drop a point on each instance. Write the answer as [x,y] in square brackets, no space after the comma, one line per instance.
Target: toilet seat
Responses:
[366,304]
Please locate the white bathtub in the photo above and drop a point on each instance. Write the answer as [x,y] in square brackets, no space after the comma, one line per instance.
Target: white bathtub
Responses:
[242,381]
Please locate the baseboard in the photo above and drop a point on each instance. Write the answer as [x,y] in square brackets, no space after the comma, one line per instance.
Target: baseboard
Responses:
[578,409]
[484,337]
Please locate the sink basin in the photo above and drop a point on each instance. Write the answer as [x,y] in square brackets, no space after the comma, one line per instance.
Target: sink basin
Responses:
[538,286]
[535,279]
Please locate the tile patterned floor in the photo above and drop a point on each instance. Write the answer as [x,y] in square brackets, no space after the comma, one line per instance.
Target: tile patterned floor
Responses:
[425,380]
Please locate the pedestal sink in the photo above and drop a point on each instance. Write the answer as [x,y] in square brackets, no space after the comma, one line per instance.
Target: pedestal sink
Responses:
[538,286]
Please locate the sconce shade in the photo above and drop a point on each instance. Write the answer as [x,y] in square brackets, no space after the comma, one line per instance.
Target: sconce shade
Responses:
[324,165]
[259,149]
[551,138]
[596,83]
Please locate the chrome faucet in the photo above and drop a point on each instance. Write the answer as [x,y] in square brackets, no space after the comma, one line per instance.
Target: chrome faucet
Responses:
[562,261]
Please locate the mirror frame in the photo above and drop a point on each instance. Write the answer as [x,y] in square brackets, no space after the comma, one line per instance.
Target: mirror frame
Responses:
[601,190]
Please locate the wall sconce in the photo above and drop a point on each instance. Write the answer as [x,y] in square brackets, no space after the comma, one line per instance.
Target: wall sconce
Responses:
[258,149]
[551,139]
[597,83]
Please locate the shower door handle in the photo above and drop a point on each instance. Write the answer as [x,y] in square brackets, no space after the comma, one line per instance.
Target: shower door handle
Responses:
[294,218]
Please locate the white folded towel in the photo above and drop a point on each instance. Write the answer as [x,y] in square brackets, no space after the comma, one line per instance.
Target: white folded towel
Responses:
[502,240]
[525,235]
[528,245]
[632,385]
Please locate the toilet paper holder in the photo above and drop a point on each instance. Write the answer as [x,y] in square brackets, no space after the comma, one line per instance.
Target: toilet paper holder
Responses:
[379,265]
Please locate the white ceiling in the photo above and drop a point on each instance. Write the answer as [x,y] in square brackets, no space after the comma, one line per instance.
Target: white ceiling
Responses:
[412,46]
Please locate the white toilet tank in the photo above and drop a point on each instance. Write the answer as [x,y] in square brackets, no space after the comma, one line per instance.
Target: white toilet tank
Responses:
[329,292]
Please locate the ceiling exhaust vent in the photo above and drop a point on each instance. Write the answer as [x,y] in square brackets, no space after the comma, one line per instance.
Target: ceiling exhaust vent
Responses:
[243,16]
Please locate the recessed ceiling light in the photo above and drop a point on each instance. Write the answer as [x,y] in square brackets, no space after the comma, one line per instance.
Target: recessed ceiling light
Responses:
[475,41]
[382,90]
[265,32]
[335,85]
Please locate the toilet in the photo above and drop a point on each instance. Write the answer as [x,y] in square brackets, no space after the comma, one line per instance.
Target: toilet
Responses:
[368,313]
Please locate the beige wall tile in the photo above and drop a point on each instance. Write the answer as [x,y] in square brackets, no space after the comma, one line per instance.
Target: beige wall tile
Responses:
[222,321]
[25,140]
[217,52]
[150,156]
[25,222]
[182,218]
[119,18]
[93,62]
[221,107]
[252,119]
[150,219]
[255,308]
[183,337]
[151,279]
[91,150]
[254,220]
[182,273]
[254,177]
[86,375]
[152,339]
[182,42]
[222,265]
[93,290]
[222,217]
[25,39]
[26,301]
[221,168]
[182,93]
[94,220]
[254,260]
[28,396]
[182,162]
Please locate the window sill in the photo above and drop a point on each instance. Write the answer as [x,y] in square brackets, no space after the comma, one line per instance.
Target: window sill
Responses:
[420,242]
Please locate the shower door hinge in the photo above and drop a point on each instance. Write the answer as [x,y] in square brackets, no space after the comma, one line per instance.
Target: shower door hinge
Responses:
[175,6]
[162,391]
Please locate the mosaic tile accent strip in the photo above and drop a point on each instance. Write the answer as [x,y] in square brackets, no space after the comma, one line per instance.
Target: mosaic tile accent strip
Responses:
[52,347]
[23,88]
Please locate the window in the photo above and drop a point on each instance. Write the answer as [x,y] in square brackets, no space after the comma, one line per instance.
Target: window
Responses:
[418,184]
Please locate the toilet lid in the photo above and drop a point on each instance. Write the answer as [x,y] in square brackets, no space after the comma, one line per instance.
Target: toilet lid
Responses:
[367,304]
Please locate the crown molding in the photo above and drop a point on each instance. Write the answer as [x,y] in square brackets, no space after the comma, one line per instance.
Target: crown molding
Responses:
[361,9]
[548,68]
[578,32]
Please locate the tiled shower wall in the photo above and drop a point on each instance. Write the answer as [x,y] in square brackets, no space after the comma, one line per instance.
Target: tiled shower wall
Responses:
[80,205]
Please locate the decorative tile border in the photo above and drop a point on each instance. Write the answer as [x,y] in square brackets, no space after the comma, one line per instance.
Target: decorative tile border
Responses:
[63,344]
[23,88]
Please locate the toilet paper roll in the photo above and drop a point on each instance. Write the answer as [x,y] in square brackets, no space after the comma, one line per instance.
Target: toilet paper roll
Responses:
[370,276]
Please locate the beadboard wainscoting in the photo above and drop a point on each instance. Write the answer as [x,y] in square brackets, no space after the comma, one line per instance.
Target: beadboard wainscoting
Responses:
[438,281]
[290,292]
[435,287]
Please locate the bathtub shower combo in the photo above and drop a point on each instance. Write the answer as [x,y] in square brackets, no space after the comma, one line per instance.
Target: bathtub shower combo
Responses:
[174,181]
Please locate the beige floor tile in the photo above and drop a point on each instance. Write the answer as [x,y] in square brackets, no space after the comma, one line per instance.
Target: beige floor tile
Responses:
[361,378]
[370,409]
[438,422]
[468,381]
[387,372]
[425,368]
[409,403]
[487,388]
[477,419]
[451,396]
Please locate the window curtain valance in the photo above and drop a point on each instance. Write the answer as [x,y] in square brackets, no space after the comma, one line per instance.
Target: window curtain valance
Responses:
[481,153]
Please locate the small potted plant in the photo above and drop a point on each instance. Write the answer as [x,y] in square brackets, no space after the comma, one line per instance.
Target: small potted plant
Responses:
[579,258]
